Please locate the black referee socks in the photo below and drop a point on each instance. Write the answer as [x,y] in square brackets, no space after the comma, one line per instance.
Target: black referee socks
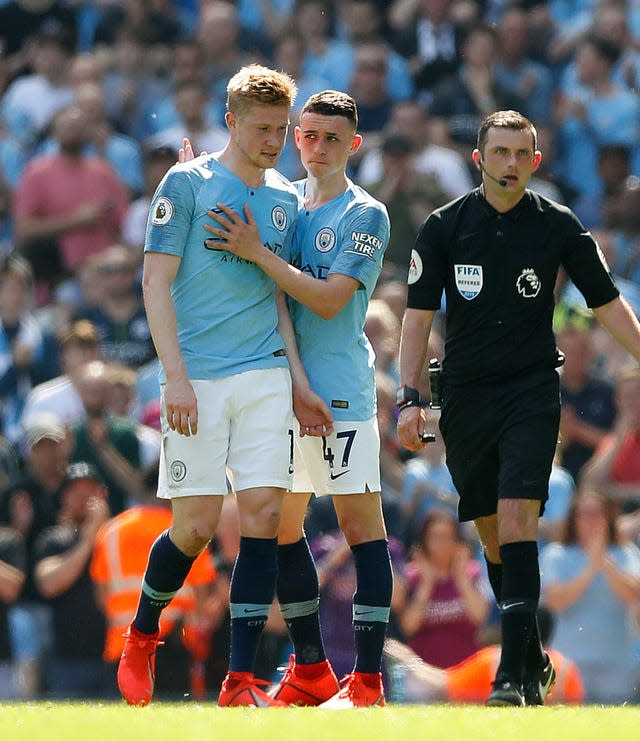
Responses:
[520,596]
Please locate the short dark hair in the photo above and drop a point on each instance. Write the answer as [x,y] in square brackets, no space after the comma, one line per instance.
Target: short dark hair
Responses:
[604,48]
[332,103]
[505,120]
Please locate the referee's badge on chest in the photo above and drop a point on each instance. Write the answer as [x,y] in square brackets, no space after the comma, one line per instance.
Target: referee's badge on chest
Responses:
[468,280]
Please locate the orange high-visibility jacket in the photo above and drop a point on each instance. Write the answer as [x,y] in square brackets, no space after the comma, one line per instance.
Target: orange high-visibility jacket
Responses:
[470,680]
[118,565]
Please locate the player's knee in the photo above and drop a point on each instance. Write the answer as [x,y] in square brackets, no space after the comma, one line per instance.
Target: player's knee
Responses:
[356,531]
[262,522]
[192,537]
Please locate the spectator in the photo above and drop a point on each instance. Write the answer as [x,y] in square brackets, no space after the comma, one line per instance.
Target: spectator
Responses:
[589,582]
[410,120]
[123,403]
[30,103]
[528,80]
[382,327]
[368,88]
[117,568]
[188,68]
[601,112]
[475,91]
[408,196]
[120,318]
[131,90]
[150,21]
[23,345]
[29,507]
[67,203]
[391,465]
[614,169]
[157,160]
[193,122]
[394,293]
[13,158]
[446,601]
[12,576]
[219,35]
[20,23]
[470,681]
[109,443]
[588,410]
[427,484]
[59,396]
[561,492]
[614,468]
[432,43]
[122,152]
[61,566]
[363,22]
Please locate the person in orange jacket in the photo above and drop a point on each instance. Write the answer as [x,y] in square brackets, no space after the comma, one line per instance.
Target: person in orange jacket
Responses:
[117,567]
[470,681]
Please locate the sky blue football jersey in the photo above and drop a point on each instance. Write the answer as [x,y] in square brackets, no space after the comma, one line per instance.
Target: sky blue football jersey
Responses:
[225,306]
[348,235]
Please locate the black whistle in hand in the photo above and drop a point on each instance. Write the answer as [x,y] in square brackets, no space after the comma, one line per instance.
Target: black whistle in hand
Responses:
[435,391]
[428,437]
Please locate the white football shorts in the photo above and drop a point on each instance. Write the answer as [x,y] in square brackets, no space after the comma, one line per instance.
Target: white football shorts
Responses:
[345,462]
[245,433]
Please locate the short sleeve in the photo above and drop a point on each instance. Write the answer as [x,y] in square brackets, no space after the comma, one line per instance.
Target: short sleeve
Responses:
[428,266]
[170,215]
[365,237]
[586,265]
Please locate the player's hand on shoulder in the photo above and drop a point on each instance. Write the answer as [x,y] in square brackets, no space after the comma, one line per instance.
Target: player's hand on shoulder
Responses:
[185,153]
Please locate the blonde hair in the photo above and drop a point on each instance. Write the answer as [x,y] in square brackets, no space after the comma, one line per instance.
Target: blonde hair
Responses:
[255,84]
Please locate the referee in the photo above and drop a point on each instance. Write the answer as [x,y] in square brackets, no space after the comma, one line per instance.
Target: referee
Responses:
[496,252]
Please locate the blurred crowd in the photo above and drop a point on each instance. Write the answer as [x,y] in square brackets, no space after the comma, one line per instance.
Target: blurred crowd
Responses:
[95,98]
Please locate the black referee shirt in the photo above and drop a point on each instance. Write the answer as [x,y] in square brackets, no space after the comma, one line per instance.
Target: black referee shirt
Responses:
[498,272]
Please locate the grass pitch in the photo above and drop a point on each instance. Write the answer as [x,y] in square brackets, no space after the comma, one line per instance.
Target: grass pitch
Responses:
[186,721]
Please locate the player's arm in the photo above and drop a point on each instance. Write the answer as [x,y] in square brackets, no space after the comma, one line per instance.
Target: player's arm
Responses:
[414,340]
[618,319]
[310,410]
[160,270]
[324,297]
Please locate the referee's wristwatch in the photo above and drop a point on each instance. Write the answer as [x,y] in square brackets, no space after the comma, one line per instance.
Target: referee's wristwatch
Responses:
[407,397]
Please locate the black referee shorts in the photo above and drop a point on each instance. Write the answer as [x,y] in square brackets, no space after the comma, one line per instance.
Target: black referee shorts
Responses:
[500,441]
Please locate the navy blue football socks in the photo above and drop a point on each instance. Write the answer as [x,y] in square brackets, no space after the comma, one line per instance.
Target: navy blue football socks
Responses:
[371,602]
[299,595]
[166,571]
[253,584]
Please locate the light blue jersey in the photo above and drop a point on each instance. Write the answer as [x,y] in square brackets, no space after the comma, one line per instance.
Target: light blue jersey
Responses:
[225,306]
[348,236]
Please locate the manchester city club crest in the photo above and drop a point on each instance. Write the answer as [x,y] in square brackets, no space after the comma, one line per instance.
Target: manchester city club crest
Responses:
[162,211]
[325,240]
[178,471]
[469,280]
[528,283]
[279,218]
